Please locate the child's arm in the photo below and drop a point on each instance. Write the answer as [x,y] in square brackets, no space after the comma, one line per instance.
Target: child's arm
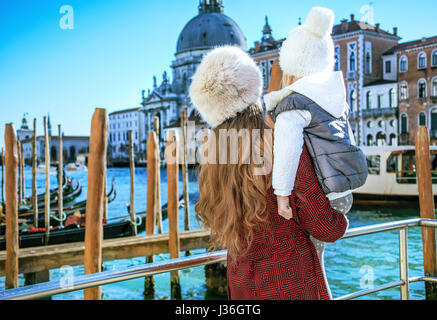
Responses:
[288,135]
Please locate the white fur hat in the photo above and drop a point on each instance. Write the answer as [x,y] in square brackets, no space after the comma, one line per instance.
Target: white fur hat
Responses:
[226,82]
[309,48]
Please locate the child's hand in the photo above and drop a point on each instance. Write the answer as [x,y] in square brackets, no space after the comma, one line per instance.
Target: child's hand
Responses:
[284,209]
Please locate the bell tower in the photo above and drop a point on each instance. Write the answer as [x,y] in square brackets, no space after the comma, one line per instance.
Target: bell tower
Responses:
[210,6]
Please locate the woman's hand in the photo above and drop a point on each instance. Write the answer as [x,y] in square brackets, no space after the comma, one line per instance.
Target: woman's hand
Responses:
[284,209]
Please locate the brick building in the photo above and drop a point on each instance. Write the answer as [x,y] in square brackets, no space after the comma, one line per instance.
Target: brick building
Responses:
[359,47]
[416,63]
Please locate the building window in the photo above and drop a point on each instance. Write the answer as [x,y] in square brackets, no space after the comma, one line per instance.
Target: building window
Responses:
[368,63]
[434,58]
[404,124]
[403,91]
[422,60]
[352,62]
[380,101]
[393,123]
[370,140]
[433,123]
[422,119]
[264,73]
[392,95]
[404,64]
[380,123]
[337,58]
[353,100]
[393,140]
[421,89]
[369,100]
[434,87]
[388,66]
[369,124]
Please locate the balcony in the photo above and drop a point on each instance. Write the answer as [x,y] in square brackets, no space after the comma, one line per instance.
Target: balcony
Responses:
[351,75]
[353,116]
[383,112]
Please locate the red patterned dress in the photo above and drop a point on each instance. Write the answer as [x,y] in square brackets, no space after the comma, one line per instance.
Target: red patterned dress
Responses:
[282,264]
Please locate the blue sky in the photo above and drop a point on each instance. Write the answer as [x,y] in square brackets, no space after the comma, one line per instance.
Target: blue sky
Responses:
[117,46]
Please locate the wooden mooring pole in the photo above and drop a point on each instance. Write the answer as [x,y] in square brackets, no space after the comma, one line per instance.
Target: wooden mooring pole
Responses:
[34,189]
[11,166]
[172,156]
[95,199]
[427,207]
[20,172]
[3,180]
[132,182]
[184,164]
[158,173]
[23,180]
[152,200]
[47,172]
[60,176]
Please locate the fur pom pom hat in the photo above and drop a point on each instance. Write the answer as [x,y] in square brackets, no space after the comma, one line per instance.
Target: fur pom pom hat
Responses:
[309,48]
[226,82]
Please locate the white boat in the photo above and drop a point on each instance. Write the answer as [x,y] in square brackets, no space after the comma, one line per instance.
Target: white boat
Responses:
[76,167]
[41,169]
[392,177]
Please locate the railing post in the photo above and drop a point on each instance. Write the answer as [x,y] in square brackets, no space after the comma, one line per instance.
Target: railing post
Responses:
[403,263]
[427,206]
[171,155]
[11,166]
[94,205]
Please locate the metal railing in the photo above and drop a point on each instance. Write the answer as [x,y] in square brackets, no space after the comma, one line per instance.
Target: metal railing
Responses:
[107,277]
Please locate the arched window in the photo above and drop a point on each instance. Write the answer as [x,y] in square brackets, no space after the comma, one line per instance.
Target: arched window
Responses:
[404,123]
[380,101]
[370,140]
[403,64]
[434,58]
[434,119]
[368,63]
[369,124]
[393,140]
[352,61]
[421,89]
[392,98]
[403,91]
[434,87]
[381,139]
[421,60]
[369,99]
[353,100]
[337,58]
[422,119]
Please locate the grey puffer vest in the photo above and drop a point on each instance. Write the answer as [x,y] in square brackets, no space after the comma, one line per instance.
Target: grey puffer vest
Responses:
[340,166]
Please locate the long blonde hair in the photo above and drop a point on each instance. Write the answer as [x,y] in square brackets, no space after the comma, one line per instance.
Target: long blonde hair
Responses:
[232,197]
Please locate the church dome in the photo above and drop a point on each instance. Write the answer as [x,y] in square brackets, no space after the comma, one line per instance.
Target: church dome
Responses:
[211,28]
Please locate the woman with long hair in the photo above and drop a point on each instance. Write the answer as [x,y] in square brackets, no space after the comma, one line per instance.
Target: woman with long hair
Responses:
[269,257]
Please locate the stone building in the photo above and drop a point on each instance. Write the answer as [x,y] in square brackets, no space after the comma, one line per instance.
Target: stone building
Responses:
[120,123]
[416,65]
[209,29]
[73,146]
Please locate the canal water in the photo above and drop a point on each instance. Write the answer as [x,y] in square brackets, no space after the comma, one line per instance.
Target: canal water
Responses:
[351,265]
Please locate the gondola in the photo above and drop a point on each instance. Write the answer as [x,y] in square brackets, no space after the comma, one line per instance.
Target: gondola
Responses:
[74,233]
[68,196]
[67,185]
